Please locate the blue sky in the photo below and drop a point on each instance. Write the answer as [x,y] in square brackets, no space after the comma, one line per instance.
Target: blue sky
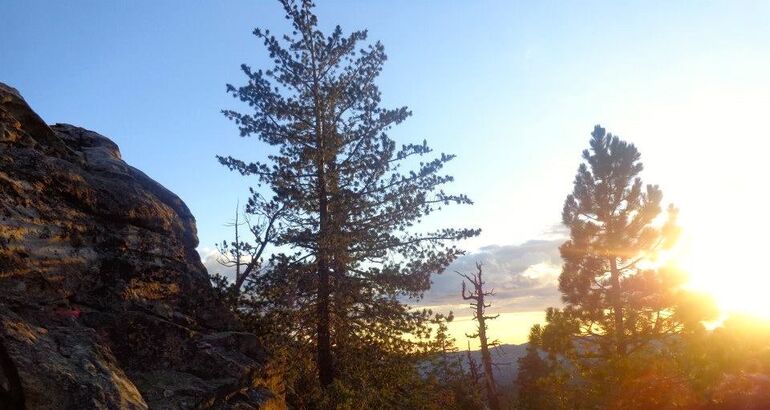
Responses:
[512,88]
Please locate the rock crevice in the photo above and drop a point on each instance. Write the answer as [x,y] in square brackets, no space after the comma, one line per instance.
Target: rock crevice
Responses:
[11,391]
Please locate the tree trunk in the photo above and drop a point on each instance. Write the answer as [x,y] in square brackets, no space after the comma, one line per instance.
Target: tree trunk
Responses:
[325,360]
[486,357]
[617,307]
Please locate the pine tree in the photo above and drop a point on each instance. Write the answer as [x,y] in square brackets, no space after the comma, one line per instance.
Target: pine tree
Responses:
[347,208]
[449,386]
[620,301]
[533,370]
[479,305]
[614,300]
[444,343]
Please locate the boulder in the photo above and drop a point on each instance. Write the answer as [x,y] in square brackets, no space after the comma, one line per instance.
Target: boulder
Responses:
[104,302]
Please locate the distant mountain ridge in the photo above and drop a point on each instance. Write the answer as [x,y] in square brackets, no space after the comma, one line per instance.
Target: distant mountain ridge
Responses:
[504,356]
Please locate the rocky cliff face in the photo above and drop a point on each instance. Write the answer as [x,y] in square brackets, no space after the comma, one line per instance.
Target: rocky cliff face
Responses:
[104,303]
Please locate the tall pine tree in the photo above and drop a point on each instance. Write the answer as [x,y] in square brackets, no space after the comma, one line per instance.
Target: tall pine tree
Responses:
[348,210]
[623,304]
[613,295]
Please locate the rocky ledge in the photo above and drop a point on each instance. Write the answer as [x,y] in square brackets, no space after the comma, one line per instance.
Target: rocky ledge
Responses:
[104,303]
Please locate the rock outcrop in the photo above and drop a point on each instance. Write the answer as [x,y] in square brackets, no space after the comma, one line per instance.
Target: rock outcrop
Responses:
[104,303]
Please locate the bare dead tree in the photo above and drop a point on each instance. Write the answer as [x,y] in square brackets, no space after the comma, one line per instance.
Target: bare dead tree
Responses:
[477,297]
[243,255]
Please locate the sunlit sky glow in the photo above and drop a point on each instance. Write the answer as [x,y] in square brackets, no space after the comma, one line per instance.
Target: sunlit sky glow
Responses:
[512,88]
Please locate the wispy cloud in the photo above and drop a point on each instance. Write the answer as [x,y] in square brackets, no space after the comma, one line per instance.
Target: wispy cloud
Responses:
[524,277]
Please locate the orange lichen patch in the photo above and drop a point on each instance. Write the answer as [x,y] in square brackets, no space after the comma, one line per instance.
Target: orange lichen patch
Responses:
[13,129]
[7,136]
[22,331]
[130,392]
[138,289]
[15,184]
[12,233]
[56,263]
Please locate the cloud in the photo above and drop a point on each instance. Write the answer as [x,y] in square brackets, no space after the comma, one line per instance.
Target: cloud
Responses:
[524,278]
[209,258]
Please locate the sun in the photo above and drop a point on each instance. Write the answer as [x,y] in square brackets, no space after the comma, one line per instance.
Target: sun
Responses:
[723,254]
[709,151]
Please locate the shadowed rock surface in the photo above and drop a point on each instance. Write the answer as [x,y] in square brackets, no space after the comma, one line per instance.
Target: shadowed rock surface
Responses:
[104,303]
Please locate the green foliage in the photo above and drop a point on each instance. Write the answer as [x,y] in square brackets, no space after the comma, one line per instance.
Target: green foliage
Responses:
[447,385]
[531,388]
[348,209]
[616,303]
[731,365]
[616,342]
[276,307]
